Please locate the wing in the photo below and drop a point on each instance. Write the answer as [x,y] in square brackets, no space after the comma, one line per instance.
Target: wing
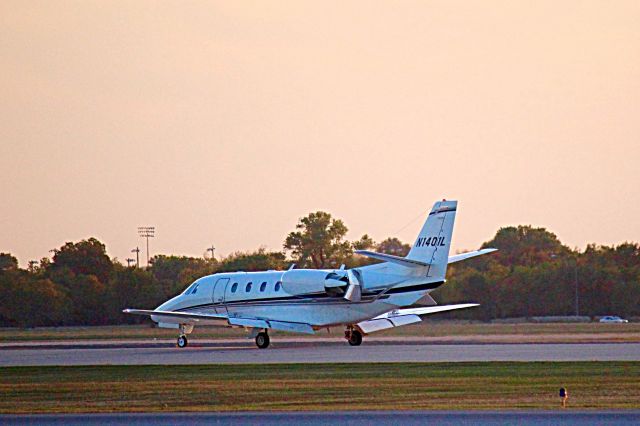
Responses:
[225,320]
[400,317]
[175,314]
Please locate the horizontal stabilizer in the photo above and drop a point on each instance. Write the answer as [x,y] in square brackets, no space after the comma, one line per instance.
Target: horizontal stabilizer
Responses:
[400,317]
[409,263]
[469,255]
[426,310]
[378,324]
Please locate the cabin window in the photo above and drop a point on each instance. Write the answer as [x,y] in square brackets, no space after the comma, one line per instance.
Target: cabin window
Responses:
[234,287]
[278,284]
[248,289]
[263,286]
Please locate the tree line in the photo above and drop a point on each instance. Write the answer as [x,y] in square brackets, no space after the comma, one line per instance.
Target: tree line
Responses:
[532,274]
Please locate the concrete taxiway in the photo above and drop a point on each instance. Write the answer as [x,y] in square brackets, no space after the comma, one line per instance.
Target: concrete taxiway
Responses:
[283,352]
[354,418]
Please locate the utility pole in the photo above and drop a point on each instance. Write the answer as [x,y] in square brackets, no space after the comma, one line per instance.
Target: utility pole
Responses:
[212,249]
[137,252]
[147,232]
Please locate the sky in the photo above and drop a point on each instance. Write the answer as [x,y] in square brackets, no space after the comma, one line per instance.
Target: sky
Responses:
[225,122]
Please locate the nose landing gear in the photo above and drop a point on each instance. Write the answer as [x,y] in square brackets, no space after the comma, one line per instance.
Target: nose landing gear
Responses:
[353,336]
[182,341]
[182,338]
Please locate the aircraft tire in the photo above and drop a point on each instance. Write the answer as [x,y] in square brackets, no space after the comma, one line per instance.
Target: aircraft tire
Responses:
[355,338]
[182,341]
[262,340]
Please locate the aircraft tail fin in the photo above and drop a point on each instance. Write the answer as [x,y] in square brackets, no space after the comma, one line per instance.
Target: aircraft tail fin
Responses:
[434,240]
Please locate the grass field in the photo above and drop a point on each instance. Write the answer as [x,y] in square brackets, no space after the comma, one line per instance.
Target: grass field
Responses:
[496,385]
[626,332]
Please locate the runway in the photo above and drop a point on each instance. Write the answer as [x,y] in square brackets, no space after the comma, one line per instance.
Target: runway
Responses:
[353,418]
[281,352]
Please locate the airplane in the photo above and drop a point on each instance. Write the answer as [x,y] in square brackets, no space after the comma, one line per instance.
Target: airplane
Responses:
[364,299]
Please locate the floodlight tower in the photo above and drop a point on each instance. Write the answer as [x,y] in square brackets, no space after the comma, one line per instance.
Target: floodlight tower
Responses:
[147,232]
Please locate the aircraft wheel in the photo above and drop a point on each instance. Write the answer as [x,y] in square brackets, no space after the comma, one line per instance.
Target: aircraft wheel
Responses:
[262,340]
[182,341]
[355,338]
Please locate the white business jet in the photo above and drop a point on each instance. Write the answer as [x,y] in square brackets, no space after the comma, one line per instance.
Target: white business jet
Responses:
[363,300]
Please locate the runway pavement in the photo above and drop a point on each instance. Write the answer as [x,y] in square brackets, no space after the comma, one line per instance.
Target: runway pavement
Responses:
[291,352]
[353,418]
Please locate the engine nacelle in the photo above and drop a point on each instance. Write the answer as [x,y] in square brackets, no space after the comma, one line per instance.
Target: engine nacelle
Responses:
[309,281]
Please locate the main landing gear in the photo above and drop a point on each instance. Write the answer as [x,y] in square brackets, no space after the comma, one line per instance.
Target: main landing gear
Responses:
[262,340]
[353,336]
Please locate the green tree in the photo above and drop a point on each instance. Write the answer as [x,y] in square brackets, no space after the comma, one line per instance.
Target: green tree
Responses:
[319,241]
[87,295]
[28,301]
[260,260]
[87,257]
[174,273]
[131,288]
[525,245]
[8,262]
[364,243]
[394,247]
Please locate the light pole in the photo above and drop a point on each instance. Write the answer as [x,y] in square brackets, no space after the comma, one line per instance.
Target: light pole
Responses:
[137,252]
[212,249]
[147,232]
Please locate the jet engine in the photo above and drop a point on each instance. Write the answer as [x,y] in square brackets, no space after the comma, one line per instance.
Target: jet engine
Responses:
[345,283]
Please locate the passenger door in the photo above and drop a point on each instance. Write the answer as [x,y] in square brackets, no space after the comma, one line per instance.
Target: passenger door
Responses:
[218,295]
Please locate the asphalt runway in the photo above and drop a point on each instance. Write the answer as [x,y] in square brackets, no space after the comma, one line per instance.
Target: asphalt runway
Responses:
[299,353]
[353,418]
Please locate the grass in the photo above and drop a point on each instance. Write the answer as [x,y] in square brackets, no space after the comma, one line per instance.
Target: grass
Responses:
[495,386]
[626,332]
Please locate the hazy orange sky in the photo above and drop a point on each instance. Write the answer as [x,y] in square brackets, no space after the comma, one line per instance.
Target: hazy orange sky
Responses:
[225,122]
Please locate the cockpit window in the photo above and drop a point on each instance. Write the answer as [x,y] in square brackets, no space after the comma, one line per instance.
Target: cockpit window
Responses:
[195,288]
[191,288]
